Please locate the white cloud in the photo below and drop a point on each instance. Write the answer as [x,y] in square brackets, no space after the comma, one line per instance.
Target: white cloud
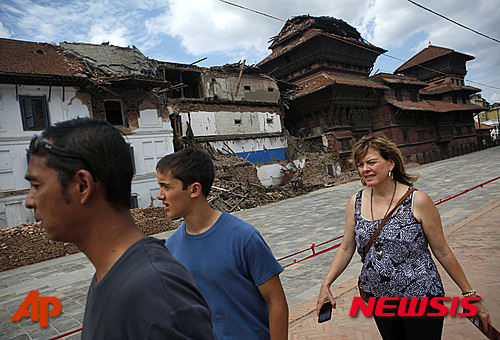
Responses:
[494,98]
[108,32]
[209,26]
[4,32]
[390,23]
[187,30]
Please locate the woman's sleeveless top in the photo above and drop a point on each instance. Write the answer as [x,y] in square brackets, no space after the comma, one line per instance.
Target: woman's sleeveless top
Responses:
[406,267]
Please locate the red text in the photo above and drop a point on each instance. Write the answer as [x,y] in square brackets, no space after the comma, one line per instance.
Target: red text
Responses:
[43,313]
[386,306]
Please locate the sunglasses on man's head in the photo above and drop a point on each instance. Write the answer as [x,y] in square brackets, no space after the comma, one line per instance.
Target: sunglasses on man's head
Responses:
[38,143]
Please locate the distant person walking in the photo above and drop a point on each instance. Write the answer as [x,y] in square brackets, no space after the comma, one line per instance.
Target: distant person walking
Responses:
[399,262]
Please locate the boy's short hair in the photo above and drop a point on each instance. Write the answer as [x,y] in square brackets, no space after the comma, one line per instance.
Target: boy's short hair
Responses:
[189,166]
[102,150]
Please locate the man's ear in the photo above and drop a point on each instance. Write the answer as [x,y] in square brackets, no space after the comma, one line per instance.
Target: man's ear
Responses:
[195,189]
[85,185]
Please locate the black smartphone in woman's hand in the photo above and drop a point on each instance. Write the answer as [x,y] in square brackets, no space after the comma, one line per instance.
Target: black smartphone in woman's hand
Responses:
[325,313]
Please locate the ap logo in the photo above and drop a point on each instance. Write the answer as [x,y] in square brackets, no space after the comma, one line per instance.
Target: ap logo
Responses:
[39,308]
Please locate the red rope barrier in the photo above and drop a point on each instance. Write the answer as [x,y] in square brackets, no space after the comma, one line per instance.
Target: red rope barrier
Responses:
[314,254]
[66,334]
[313,246]
[442,200]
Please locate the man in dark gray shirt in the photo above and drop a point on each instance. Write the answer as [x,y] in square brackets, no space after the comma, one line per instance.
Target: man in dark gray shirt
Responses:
[80,173]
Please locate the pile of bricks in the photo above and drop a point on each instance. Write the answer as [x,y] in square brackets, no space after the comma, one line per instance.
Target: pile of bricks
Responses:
[235,169]
[28,243]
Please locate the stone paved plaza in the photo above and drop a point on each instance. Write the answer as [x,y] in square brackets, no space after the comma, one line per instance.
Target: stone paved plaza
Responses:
[287,226]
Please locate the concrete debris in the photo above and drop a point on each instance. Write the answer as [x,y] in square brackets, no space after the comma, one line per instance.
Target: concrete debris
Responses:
[237,185]
[235,169]
[112,60]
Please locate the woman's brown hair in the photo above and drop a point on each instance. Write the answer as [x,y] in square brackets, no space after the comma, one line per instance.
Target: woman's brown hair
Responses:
[388,150]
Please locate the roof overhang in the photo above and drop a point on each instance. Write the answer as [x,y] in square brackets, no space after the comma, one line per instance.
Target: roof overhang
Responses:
[435,106]
[449,88]
[42,79]
[323,80]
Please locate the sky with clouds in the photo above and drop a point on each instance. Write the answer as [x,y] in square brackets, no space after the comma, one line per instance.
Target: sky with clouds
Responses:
[185,31]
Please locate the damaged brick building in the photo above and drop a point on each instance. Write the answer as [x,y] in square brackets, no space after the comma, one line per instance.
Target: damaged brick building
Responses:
[427,113]
[160,107]
[233,109]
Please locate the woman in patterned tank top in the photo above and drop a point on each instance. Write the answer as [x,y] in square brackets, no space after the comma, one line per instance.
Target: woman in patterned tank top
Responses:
[399,262]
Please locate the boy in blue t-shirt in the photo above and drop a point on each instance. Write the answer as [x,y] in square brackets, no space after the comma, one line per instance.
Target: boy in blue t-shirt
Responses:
[231,263]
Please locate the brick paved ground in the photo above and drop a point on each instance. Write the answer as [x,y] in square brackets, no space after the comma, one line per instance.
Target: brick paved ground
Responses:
[476,244]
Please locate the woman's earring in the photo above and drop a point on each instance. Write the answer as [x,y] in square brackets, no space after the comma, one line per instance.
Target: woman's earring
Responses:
[390,174]
[363,181]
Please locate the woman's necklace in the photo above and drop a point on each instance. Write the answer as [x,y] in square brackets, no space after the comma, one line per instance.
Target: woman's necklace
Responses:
[377,244]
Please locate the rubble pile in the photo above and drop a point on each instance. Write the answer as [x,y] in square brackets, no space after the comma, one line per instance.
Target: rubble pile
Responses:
[235,169]
[237,185]
[230,196]
[152,220]
[28,243]
[315,171]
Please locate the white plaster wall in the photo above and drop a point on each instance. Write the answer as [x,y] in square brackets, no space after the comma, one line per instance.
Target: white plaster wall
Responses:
[13,212]
[14,141]
[224,87]
[145,188]
[149,120]
[151,141]
[216,86]
[249,145]
[10,113]
[230,123]
[149,148]
[3,119]
[271,174]
[13,163]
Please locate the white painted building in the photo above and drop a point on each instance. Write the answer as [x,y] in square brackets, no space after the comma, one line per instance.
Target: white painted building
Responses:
[152,140]
[46,88]
[266,140]
[17,126]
